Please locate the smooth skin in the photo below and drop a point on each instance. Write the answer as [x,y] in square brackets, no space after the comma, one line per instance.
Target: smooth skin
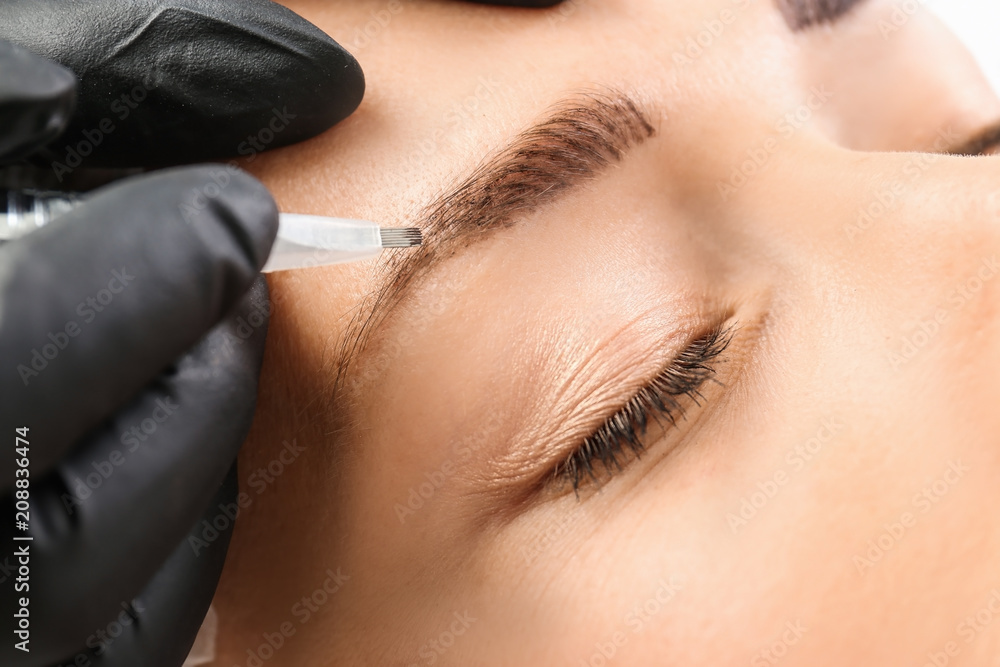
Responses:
[831,500]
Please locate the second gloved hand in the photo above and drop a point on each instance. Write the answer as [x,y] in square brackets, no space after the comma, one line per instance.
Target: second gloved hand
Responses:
[166,82]
[132,329]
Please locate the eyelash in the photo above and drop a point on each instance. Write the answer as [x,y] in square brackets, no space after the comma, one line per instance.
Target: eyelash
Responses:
[622,433]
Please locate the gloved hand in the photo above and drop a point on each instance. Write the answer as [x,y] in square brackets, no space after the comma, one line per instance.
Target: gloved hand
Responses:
[133,414]
[179,81]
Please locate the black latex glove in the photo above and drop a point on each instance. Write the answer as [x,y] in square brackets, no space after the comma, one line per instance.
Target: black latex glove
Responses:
[188,80]
[131,449]
[185,81]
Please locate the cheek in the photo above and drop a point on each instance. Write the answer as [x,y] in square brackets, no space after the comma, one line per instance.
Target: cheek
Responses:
[658,581]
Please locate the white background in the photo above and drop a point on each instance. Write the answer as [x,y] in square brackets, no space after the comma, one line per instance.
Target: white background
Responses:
[977,23]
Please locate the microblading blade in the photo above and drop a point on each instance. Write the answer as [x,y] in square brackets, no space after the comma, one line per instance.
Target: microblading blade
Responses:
[400,237]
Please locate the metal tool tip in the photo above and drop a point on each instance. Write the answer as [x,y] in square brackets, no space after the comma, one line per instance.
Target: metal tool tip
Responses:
[400,237]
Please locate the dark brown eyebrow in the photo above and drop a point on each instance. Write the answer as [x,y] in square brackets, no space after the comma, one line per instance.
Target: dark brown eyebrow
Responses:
[576,140]
[983,141]
[802,14]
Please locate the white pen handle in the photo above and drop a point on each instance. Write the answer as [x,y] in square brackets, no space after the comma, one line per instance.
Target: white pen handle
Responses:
[312,240]
[302,241]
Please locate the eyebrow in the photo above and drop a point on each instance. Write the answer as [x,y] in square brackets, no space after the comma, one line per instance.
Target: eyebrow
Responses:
[574,143]
[802,14]
[983,141]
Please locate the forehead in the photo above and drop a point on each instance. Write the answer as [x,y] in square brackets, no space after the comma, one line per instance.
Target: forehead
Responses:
[448,82]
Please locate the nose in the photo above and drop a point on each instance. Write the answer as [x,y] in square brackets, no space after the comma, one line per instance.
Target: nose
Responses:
[902,246]
[897,77]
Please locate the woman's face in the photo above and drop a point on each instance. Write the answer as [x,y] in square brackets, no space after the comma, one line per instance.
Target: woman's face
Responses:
[685,214]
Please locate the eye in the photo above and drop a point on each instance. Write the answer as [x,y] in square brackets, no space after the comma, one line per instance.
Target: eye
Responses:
[984,142]
[620,439]
[804,13]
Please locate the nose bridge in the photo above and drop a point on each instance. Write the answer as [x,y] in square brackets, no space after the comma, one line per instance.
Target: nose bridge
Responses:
[909,240]
[891,77]
[940,210]
[845,204]
[770,165]
[897,75]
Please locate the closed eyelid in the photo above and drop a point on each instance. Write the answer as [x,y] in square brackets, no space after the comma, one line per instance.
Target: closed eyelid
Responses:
[657,402]
[522,470]
[571,404]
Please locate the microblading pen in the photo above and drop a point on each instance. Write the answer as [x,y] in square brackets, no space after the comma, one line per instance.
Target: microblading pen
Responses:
[303,240]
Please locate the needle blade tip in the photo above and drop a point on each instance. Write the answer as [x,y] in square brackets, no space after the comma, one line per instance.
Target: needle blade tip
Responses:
[400,237]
